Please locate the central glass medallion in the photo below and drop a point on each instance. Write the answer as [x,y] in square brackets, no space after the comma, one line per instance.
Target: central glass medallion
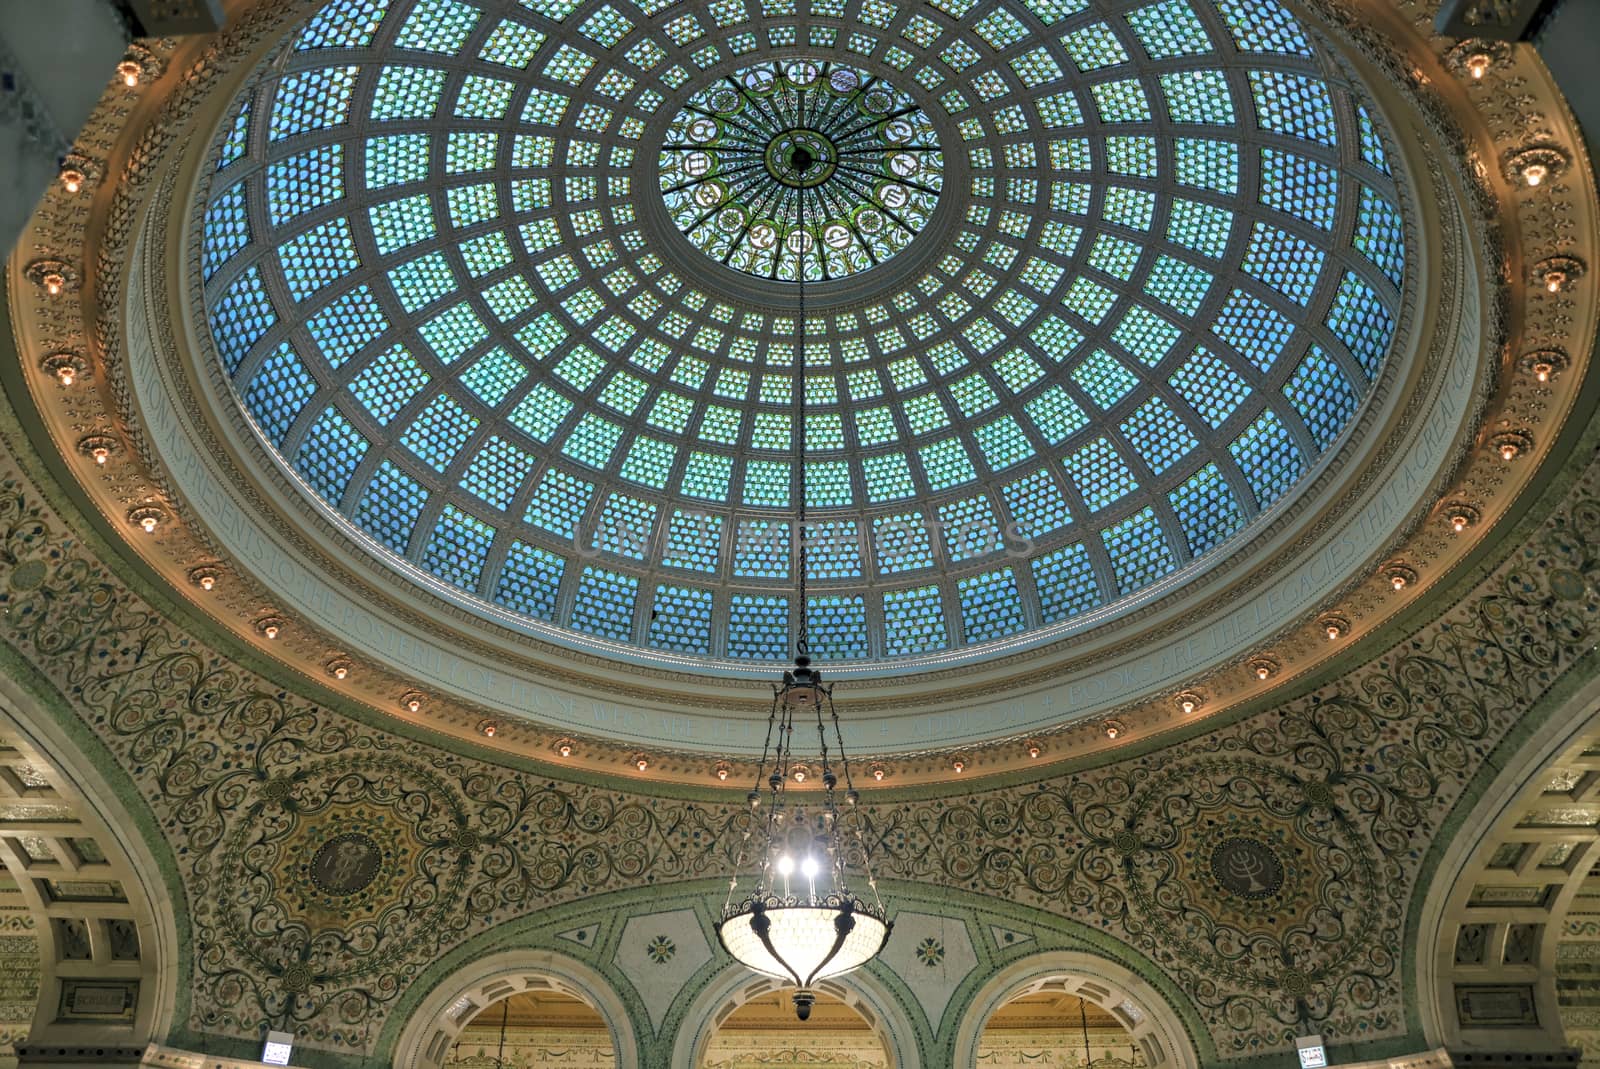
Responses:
[801,162]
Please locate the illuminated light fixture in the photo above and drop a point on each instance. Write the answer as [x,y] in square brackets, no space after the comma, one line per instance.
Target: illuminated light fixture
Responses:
[1535,165]
[148,517]
[1399,576]
[72,179]
[98,447]
[564,747]
[1511,444]
[806,930]
[1263,667]
[1113,729]
[1460,516]
[412,700]
[1476,57]
[339,668]
[205,577]
[488,728]
[270,626]
[878,772]
[1034,749]
[277,1049]
[67,367]
[52,276]
[77,172]
[800,773]
[129,72]
[958,763]
[722,770]
[641,762]
[1544,364]
[1335,627]
[1188,701]
[1556,273]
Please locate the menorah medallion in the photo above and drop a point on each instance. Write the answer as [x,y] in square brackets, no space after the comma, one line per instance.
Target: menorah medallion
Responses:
[1247,867]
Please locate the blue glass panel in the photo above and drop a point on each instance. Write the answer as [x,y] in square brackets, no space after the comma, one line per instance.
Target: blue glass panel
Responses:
[497,471]
[1103,477]
[838,627]
[493,376]
[437,26]
[311,100]
[390,505]
[1206,509]
[833,549]
[1056,415]
[1263,26]
[395,224]
[558,503]
[626,527]
[694,541]
[1066,583]
[913,622]
[680,620]
[458,548]
[1104,379]
[1322,395]
[1139,551]
[1036,504]
[347,324]
[304,182]
[278,391]
[237,142]
[991,606]
[901,542]
[1212,388]
[758,627]
[342,24]
[1380,235]
[603,604]
[1159,435]
[439,432]
[970,529]
[388,383]
[240,317]
[1169,29]
[1359,319]
[329,454]
[530,580]
[1289,264]
[1297,105]
[761,549]
[422,281]
[766,483]
[1268,457]
[226,230]
[1256,331]
[317,258]
[1003,443]
[1299,186]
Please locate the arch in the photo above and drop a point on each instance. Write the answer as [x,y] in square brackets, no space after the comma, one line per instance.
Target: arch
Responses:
[1494,914]
[457,998]
[109,961]
[735,985]
[1152,1023]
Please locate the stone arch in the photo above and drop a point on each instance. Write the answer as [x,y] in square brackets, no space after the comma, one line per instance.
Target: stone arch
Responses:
[1495,914]
[109,962]
[736,985]
[454,1001]
[1152,1023]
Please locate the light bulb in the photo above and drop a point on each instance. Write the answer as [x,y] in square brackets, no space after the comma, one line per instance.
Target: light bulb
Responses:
[1188,705]
[1535,173]
[1112,731]
[1553,281]
[149,524]
[799,775]
[209,581]
[877,773]
[785,866]
[1478,65]
[1034,751]
[100,453]
[414,704]
[1459,523]
[271,631]
[643,763]
[722,773]
[809,867]
[54,284]
[1508,452]
[1541,371]
[959,765]
[1397,581]
[66,374]
[565,749]
[1262,671]
[489,729]
[72,179]
[1333,632]
[129,71]
[340,672]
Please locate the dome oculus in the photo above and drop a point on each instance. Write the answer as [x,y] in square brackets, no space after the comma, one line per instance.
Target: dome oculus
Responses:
[1173,273]
[805,161]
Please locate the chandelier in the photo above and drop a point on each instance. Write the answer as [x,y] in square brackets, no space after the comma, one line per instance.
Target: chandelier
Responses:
[801,923]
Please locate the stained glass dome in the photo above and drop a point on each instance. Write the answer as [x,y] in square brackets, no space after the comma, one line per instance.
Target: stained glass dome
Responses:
[1134,268]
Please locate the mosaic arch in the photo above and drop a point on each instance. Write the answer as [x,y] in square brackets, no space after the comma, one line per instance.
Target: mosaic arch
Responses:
[1116,276]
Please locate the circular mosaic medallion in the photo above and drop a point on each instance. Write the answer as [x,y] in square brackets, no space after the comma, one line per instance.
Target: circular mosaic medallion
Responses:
[345,864]
[804,161]
[1247,867]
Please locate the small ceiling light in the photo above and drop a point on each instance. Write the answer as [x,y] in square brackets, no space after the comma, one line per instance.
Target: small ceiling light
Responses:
[129,72]
[411,700]
[722,770]
[564,747]
[1544,364]
[488,728]
[72,179]
[641,762]
[1113,729]
[1511,444]
[1034,749]
[1556,273]
[1477,65]
[878,772]
[339,668]
[205,577]
[52,276]
[959,764]
[54,283]
[1263,667]
[799,773]
[65,374]
[1188,701]
[1476,57]
[148,517]
[1535,165]
[67,367]
[1335,627]
[270,626]
[97,447]
[1399,575]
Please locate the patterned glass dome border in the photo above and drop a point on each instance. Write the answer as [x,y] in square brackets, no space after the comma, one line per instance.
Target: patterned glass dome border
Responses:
[1177,273]
[801,161]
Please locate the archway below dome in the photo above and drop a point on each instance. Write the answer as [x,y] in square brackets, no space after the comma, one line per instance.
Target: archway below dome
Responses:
[535,1026]
[1051,1026]
[763,1032]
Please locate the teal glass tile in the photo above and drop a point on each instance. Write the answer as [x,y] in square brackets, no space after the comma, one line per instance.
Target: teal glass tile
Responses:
[304,182]
[497,471]
[970,529]
[1066,583]
[1358,318]
[1254,329]
[343,24]
[603,604]
[1212,388]
[1158,435]
[694,541]
[329,453]
[1289,264]
[390,506]
[558,504]
[388,383]
[758,627]
[318,257]
[439,432]
[626,527]
[1104,379]
[458,548]
[1380,235]
[680,620]
[347,324]
[530,581]
[991,605]
[1206,509]
[1139,551]
[1102,475]
[240,317]
[279,390]
[913,622]
[838,627]
[762,549]
[225,231]
[1268,457]
[315,99]
[1319,391]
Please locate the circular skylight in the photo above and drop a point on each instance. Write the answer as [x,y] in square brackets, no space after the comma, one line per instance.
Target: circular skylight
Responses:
[1152,272]
[801,161]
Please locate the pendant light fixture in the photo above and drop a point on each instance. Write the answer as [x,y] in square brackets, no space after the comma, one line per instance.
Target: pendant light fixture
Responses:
[801,923]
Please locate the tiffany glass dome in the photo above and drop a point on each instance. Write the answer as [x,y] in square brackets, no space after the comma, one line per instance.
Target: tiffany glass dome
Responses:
[509,290]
